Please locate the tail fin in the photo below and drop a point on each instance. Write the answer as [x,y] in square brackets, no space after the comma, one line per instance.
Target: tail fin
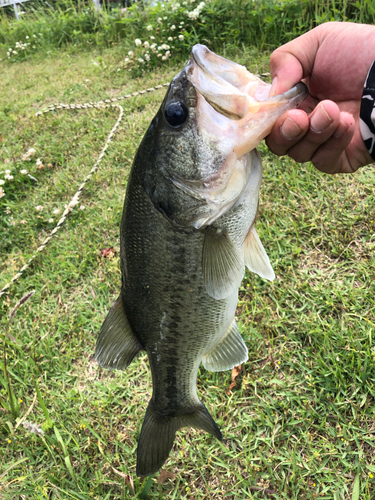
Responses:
[158,433]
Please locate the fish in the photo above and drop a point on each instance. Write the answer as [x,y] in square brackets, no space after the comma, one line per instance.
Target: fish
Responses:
[187,233]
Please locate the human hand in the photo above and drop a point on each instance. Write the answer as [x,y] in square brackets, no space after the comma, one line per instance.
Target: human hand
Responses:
[333,60]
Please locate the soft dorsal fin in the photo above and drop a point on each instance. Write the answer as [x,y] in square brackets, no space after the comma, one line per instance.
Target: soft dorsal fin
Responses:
[116,345]
[256,259]
[222,264]
[230,351]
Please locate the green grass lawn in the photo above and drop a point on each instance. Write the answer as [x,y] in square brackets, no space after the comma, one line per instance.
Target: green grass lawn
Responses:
[300,422]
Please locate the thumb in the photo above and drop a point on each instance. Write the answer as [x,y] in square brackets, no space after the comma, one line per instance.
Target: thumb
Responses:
[293,61]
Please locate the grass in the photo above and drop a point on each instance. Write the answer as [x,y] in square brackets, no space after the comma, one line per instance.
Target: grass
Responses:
[299,424]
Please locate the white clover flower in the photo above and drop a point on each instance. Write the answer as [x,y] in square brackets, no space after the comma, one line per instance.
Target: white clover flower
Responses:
[27,37]
[160,20]
[7,172]
[51,220]
[164,58]
[130,53]
[82,207]
[173,27]
[152,37]
[32,427]
[23,171]
[15,52]
[149,27]
[147,57]
[146,44]
[165,18]
[34,36]
[141,60]
[137,42]
[23,221]
[126,59]
[181,37]
[39,208]
[159,55]
[170,39]
[167,54]
[2,182]
[57,211]
[2,192]
[9,177]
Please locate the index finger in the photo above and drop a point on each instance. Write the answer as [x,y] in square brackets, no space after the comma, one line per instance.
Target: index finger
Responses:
[293,61]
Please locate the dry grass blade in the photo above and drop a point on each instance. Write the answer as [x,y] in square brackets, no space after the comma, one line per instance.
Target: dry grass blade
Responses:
[19,304]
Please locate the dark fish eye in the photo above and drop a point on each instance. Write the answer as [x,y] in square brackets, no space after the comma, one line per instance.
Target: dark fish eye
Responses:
[176,113]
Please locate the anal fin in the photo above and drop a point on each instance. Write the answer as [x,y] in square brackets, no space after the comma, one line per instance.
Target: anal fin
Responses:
[116,345]
[158,434]
[230,351]
[256,258]
[222,264]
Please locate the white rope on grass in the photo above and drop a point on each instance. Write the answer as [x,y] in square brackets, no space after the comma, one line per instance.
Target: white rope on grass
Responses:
[69,208]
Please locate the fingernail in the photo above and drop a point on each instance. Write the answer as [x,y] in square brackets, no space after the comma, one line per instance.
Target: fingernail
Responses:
[273,88]
[289,129]
[341,129]
[320,120]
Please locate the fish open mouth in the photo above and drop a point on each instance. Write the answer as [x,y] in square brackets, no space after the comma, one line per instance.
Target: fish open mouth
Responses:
[240,97]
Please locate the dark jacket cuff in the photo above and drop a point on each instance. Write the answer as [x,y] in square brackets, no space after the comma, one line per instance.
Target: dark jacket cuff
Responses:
[367,113]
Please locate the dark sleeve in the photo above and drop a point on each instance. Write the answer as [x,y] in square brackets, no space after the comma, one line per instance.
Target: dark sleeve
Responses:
[367,113]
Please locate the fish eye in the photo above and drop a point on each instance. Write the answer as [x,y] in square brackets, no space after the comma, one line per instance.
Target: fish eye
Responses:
[176,113]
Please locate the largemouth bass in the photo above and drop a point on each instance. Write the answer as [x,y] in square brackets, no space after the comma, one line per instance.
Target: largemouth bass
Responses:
[187,232]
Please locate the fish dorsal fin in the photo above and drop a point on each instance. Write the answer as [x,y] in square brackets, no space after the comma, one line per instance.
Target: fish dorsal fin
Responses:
[256,259]
[222,264]
[116,345]
[230,351]
[159,430]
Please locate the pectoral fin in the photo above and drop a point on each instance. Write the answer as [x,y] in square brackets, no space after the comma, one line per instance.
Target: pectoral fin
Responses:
[116,345]
[230,351]
[256,259]
[222,264]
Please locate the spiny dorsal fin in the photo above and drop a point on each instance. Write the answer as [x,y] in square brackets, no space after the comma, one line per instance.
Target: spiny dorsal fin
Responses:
[230,351]
[158,433]
[116,345]
[222,264]
[255,256]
